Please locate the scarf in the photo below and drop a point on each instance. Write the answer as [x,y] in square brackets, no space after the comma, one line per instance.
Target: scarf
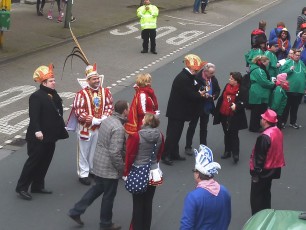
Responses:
[53,95]
[229,97]
[210,185]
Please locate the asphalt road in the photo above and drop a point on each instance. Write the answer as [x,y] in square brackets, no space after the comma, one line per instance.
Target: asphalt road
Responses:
[226,49]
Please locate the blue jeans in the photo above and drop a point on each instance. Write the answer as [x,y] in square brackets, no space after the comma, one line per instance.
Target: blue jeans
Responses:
[109,189]
[196,5]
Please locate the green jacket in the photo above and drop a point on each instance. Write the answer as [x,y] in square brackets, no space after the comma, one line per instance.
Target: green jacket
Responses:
[278,100]
[249,56]
[272,69]
[261,87]
[296,77]
[148,18]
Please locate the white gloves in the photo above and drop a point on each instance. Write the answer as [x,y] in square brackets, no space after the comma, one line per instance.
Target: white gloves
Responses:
[39,135]
[157,112]
[96,121]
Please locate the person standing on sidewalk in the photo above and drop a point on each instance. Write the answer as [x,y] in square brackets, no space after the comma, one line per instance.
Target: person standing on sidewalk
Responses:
[184,105]
[148,14]
[208,206]
[209,84]
[108,168]
[91,105]
[266,161]
[296,76]
[40,7]
[46,127]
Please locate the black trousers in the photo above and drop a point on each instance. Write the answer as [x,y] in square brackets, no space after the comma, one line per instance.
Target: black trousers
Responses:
[293,103]
[36,166]
[142,209]
[40,6]
[146,35]
[173,136]
[231,138]
[204,119]
[261,195]
[256,111]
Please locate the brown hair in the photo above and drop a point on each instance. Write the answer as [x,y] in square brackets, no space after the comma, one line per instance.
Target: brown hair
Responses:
[120,106]
[151,120]
[143,79]
[280,24]
[237,76]
[262,25]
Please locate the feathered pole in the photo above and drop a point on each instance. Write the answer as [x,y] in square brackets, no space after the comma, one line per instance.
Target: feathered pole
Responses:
[76,51]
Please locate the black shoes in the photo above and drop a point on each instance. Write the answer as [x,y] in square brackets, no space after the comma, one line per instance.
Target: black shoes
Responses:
[41,191]
[85,181]
[188,151]
[24,195]
[179,158]
[76,218]
[226,155]
[235,158]
[145,51]
[167,161]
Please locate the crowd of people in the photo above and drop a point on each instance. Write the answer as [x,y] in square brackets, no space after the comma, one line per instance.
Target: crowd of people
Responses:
[122,140]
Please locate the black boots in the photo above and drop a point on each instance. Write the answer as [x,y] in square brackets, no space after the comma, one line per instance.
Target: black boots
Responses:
[227,154]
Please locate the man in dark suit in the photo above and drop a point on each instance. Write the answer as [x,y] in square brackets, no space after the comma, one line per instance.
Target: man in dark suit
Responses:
[183,105]
[45,128]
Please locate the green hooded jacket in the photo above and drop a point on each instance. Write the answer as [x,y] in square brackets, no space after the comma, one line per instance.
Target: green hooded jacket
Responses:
[278,100]
[261,87]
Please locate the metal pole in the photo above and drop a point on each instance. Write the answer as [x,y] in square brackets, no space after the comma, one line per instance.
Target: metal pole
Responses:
[68,13]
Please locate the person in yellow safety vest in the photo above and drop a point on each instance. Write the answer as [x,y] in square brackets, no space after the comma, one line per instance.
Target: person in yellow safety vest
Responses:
[148,16]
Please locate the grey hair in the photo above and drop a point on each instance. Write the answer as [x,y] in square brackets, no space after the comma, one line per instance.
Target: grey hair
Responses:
[209,65]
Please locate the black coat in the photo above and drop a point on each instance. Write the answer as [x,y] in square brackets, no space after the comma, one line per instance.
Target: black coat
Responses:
[238,120]
[185,100]
[46,115]
[215,90]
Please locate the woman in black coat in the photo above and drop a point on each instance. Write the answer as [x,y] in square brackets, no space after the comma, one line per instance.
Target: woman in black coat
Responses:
[230,112]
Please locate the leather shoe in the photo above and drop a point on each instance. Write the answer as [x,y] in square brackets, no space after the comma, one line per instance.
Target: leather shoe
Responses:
[167,161]
[144,51]
[112,227]
[188,151]
[42,191]
[76,218]
[153,52]
[235,158]
[179,158]
[25,195]
[85,181]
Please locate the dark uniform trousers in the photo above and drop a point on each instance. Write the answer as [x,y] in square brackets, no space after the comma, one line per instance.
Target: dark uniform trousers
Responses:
[147,34]
[36,166]
[261,195]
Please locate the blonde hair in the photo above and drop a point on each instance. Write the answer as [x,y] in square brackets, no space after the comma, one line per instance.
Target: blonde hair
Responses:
[151,120]
[143,79]
[261,58]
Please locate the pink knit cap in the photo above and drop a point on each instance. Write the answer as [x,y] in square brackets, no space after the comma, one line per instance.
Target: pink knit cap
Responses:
[282,77]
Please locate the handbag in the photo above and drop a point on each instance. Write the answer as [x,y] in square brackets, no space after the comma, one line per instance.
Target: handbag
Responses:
[156,176]
[138,178]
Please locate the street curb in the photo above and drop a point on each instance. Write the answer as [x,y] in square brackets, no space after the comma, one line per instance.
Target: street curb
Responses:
[68,40]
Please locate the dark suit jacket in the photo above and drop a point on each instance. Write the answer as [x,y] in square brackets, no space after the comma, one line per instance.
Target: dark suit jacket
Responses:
[46,115]
[184,101]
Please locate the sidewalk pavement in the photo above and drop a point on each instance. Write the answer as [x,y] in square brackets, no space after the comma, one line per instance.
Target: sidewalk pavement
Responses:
[30,33]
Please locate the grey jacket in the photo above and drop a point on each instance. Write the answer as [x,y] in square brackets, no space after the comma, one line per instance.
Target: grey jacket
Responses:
[147,138]
[109,156]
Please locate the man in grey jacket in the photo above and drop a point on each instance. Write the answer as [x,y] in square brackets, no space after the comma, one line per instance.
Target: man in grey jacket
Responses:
[108,168]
